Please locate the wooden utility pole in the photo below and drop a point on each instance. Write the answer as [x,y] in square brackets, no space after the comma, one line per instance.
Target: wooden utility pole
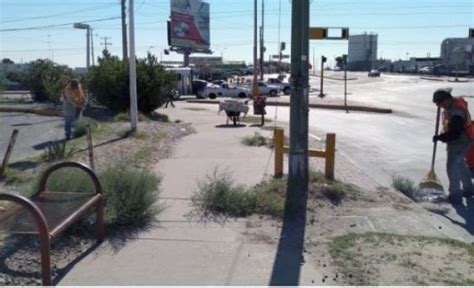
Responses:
[298,178]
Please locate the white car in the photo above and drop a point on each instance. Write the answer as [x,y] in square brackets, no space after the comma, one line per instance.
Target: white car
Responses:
[284,87]
[224,90]
[268,89]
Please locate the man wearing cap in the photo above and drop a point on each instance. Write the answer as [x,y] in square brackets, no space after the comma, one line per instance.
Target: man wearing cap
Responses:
[458,134]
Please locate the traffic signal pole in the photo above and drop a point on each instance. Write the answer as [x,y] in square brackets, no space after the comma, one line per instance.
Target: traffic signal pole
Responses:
[297,189]
[321,91]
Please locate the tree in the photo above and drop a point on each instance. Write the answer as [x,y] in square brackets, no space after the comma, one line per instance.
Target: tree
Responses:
[108,83]
[7,61]
[45,79]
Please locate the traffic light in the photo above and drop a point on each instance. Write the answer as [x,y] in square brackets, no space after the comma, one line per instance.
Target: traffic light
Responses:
[324,59]
[471,32]
[345,33]
[283,46]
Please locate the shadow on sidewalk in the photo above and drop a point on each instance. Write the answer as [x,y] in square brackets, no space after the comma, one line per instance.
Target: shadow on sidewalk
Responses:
[466,212]
[289,258]
[231,126]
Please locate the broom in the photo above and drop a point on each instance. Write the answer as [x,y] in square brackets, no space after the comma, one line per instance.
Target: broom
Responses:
[431,186]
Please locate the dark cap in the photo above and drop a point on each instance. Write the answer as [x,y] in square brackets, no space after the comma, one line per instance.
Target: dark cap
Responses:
[442,94]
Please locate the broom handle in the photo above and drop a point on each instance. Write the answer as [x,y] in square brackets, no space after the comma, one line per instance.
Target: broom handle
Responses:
[436,142]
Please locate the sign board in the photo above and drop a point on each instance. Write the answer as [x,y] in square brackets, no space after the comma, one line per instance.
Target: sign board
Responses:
[282,56]
[328,33]
[189,25]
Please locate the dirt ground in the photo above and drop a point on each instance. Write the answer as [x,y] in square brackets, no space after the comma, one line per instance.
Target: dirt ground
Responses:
[19,255]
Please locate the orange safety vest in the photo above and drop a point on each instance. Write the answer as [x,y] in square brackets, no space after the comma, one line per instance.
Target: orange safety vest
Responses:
[460,103]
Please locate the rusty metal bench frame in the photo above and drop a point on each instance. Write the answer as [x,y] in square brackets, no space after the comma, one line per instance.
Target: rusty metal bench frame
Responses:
[45,234]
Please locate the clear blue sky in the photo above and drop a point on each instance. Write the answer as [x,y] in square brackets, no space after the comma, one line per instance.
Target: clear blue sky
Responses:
[404,26]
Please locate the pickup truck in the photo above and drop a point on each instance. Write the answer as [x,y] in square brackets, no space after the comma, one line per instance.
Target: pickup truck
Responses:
[224,90]
[268,89]
[284,87]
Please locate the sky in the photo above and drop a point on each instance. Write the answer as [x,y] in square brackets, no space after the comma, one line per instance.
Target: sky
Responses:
[405,28]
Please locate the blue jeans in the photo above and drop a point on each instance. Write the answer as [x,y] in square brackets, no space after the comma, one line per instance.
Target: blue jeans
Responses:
[458,171]
[69,121]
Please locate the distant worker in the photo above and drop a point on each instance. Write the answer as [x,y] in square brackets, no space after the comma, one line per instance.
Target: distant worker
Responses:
[458,134]
[74,102]
[171,96]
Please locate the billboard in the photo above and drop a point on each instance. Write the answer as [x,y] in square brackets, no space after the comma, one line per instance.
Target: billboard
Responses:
[189,25]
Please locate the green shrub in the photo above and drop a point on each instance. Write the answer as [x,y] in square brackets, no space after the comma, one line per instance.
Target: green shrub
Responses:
[58,150]
[404,185]
[218,194]
[108,83]
[80,126]
[271,196]
[44,78]
[256,140]
[131,194]
[13,176]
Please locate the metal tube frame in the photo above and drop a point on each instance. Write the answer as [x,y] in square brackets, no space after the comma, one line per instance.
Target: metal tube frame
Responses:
[45,235]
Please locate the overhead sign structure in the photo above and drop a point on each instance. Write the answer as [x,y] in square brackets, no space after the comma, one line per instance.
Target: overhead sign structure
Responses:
[328,33]
[282,56]
[189,25]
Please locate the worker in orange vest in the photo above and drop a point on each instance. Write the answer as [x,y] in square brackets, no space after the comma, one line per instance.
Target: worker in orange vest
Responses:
[458,134]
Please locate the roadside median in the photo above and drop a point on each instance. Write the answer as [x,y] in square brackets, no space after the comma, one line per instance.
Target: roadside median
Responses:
[317,106]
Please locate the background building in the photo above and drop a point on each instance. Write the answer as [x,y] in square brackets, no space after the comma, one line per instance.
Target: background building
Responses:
[457,54]
[362,52]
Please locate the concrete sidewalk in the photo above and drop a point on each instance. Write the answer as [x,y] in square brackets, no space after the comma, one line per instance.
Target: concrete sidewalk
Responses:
[185,250]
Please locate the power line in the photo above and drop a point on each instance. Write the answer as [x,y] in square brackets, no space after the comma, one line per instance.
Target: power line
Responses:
[56,25]
[57,15]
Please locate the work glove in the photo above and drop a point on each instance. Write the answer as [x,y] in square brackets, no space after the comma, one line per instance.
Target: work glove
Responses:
[435,138]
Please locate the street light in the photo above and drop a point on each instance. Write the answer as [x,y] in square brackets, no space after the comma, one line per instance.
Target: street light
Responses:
[86,27]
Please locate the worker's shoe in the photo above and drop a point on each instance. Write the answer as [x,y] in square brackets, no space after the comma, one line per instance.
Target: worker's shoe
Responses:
[455,199]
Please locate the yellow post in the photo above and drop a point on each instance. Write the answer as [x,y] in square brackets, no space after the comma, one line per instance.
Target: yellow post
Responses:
[278,141]
[330,155]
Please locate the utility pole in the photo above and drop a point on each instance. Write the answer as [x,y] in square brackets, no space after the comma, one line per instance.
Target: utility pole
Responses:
[105,43]
[279,43]
[255,62]
[133,70]
[262,42]
[297,189]
[124,32]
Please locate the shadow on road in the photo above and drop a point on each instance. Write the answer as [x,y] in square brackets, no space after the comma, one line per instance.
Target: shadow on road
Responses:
[231,126]
[35,123]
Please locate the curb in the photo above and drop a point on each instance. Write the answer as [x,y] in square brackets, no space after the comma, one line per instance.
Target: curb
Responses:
[319,106]
[42,112]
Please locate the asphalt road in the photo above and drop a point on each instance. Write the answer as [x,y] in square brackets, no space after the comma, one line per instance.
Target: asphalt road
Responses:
[34,132]
[385,145]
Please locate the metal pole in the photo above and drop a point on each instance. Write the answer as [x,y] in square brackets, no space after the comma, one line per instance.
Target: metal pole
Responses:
[255,60]
[321,91]
[92,47]
[88,54]
[279,43]
[262,42]
[133,70]
[297,189]
[124,32]
[345,83]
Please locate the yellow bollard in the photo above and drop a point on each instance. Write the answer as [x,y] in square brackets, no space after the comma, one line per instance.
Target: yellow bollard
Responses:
[330,155]
[278,142]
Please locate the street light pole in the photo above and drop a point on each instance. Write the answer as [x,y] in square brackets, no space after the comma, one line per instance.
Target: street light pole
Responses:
[88,35]
[262,42]
[92,46]
[133,69]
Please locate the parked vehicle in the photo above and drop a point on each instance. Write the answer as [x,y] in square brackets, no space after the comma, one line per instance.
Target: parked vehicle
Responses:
[374,73]
[284,87]
[183,80]
[267,89]
[425,70]
[224,90]
[198,88]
